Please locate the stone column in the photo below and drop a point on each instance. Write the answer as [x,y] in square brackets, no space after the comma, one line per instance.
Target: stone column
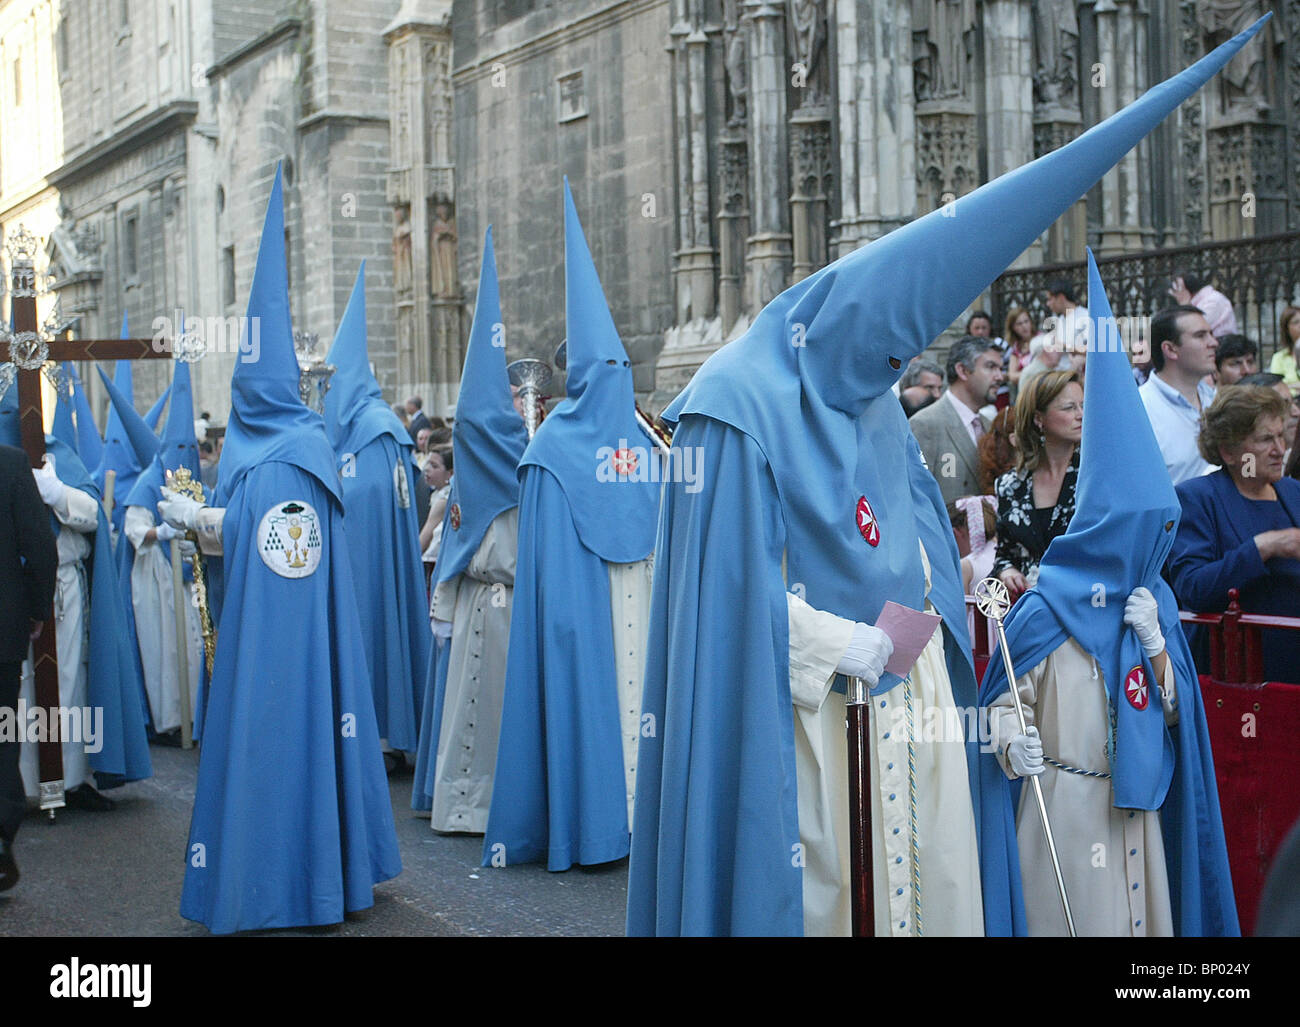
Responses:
[947,161]
[876,120]
[1057,115]
[768,248]
[1124,221]
[419,179]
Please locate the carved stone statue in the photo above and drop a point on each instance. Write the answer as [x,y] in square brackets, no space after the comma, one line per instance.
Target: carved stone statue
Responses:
[942,41]
[807,24]
[402,249]
[736,58]
[1243,84]
[442,251]
[1056,52]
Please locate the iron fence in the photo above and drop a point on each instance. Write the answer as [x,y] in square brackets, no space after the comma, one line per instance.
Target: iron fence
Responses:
[1260,275]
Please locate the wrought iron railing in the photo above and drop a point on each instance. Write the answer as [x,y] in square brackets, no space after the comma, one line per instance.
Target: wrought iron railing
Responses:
[1261,276]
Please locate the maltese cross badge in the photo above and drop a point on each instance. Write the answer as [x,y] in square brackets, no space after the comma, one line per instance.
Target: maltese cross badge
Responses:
[867,525]
[1136,689]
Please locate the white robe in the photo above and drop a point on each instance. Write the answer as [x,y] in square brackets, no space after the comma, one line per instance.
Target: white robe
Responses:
[629,594]
[155,624]
[1112,860]
[78,515]
[926,864]
[478,603]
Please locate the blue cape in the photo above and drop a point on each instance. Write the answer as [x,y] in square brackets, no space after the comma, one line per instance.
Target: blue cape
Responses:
[805,462]
[378,475]
[559,791]
[1123,528]
[614,510]
[114,682]
[488,437]
[292,819]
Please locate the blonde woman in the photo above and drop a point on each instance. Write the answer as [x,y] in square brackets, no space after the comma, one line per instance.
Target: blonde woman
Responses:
[1036,498]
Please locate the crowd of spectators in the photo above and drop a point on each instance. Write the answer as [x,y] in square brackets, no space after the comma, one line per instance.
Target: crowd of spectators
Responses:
[1000,428]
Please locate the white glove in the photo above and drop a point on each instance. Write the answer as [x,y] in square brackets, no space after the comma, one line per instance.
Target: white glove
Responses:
[47,482]
[179,511]
[868,652]
[1025,754]
[186,548]
[166,532]
[1143,615]
[442,630]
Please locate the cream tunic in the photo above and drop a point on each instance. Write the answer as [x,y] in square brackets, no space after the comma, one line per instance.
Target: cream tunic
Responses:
[78,515]
[155,624]
[926,873]
[478,603]
[629,594]
[1112,860]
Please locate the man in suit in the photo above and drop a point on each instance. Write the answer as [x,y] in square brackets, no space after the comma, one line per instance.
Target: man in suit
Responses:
[418,421]
[949,429]
[28,563]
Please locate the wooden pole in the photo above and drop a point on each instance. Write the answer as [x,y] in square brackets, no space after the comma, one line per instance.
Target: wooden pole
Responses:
[861,864]
[182,646]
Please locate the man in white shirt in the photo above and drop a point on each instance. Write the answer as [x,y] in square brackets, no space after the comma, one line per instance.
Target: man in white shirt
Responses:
[1182,354]
[949,430]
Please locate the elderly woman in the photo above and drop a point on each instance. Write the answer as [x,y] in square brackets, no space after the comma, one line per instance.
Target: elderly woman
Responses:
[1241,524]
[1036,499]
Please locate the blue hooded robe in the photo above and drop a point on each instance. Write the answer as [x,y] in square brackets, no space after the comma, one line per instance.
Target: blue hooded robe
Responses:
[378,474]
[119,456]
[798,427]
[292,821]
[90,446]
[114,683]
[1126,517]
[560,792]
[488,438]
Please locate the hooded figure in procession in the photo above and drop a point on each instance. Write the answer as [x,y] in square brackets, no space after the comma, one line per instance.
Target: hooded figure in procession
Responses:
[474,581]
[1116,724]
[769,578]
[119,455]
[145,562]
[98,673]
[378,474]
[292,824]
[589,504]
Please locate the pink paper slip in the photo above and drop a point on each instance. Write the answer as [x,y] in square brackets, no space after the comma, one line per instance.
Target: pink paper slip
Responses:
[910,631]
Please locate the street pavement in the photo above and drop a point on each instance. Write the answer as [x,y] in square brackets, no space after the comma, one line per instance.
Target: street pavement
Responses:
[119,874]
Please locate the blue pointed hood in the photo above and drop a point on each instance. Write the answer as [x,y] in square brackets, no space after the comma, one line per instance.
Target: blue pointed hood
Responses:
[118,454]
[1126,517]
[134,439]
[355,411]
[155,412]
[488,437]
[592,442]
[63,428]
[90,447]
[268,420]
[178,447]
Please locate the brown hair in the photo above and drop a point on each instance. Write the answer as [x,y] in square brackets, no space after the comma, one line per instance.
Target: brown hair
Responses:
[1009,331]
[1287,342]
[1233,415]
[957,517]
[1035,397]
[997,454]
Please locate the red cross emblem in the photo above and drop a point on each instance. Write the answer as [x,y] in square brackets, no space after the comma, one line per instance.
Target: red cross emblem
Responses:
[455,517]
[624,461]
[867,525]
[1136,689]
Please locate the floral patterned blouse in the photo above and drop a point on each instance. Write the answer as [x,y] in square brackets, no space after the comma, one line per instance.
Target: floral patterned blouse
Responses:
[1023,534]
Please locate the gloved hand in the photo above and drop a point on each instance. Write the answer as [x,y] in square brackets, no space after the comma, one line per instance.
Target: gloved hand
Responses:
[166,532]
[1025,754]
[179,511]
[442,630]
[1143,615]
[868,652]
[186,548]
[47,482]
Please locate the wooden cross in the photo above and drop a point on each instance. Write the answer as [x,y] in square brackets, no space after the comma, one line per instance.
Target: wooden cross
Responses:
[44,651]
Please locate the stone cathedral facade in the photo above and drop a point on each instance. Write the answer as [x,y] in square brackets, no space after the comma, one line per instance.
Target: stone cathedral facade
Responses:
[804,129]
